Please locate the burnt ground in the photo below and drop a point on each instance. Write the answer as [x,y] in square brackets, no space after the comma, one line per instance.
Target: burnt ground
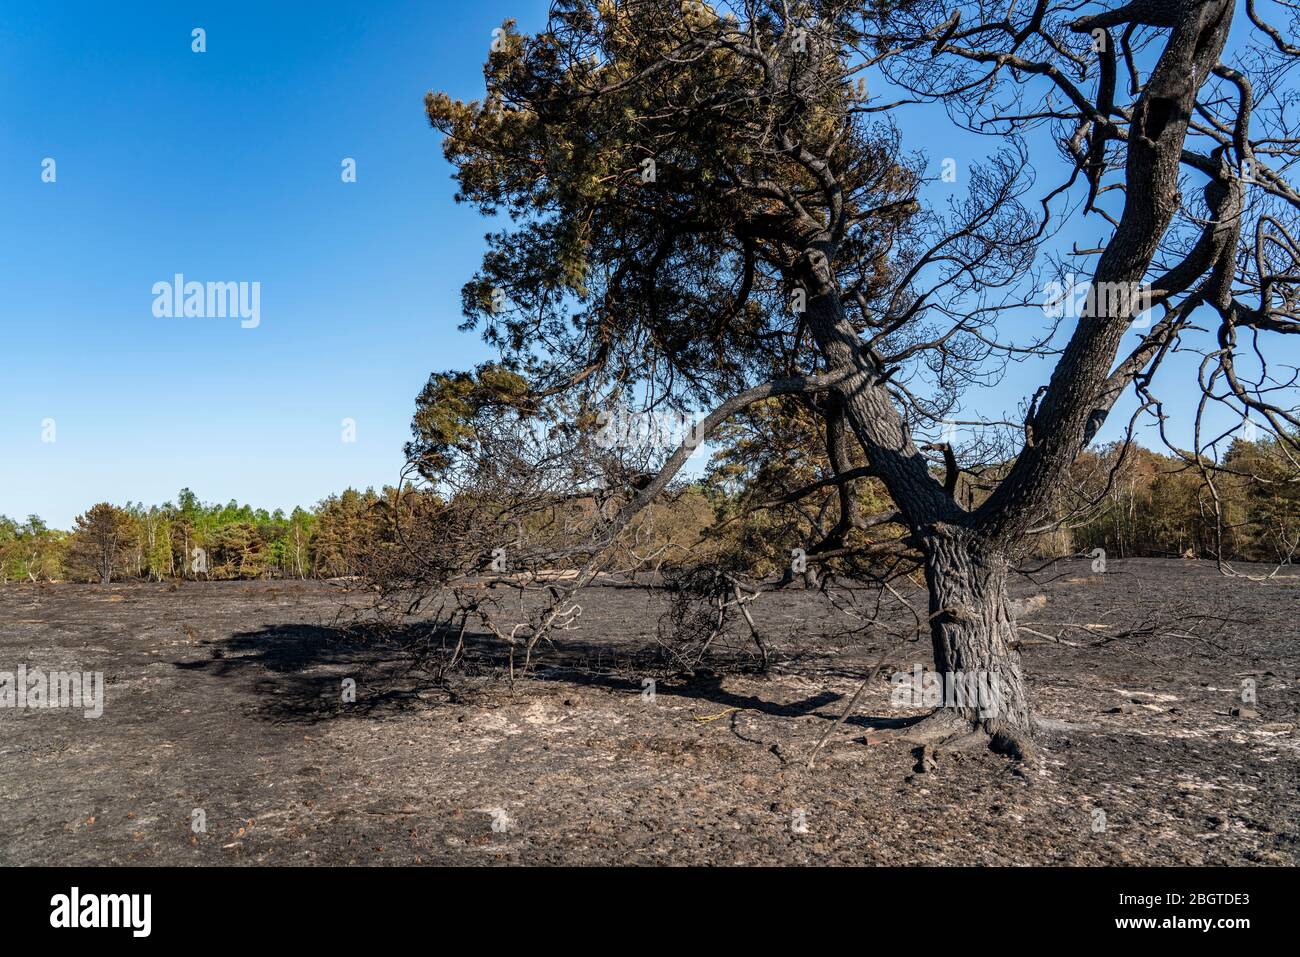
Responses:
[225,697]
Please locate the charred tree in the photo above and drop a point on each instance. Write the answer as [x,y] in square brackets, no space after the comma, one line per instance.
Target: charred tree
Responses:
[710,211]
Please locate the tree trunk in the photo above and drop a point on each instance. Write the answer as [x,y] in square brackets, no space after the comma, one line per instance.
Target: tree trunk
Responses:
[971,624]
[974,636]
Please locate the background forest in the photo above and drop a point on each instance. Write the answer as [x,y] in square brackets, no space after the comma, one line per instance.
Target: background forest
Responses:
[1145,504]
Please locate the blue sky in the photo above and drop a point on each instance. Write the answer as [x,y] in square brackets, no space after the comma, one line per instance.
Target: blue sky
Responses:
[225,166]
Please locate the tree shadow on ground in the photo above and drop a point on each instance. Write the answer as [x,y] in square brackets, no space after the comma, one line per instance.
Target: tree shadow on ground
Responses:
[296,673]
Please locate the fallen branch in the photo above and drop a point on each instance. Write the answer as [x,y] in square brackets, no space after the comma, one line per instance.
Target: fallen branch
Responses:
[812,755]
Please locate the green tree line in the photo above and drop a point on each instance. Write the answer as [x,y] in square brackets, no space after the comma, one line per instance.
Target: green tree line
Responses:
[191,539]
[1139,503]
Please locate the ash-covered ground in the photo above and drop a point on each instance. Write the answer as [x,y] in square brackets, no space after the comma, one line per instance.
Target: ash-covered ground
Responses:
[224,707]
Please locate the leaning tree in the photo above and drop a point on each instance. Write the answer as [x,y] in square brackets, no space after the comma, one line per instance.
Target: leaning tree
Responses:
[710,209]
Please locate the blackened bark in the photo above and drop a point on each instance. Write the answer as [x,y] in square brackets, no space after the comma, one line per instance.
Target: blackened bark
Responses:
[1076,400]
[838,454]
[869,407]
[967,554]
[973,632]
[971,627]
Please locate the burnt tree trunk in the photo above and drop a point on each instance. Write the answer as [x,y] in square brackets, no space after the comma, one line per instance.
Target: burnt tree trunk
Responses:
[971,624]
[973,633]
[967,553]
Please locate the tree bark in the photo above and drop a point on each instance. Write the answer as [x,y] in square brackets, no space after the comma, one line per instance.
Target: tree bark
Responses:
[867,404]
[1077,401]
[973,632]
[971,625]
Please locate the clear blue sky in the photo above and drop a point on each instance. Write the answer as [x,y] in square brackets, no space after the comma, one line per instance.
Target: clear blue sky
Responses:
[225,166]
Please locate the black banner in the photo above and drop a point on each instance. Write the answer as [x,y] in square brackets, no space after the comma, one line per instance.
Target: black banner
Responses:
[143,906]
